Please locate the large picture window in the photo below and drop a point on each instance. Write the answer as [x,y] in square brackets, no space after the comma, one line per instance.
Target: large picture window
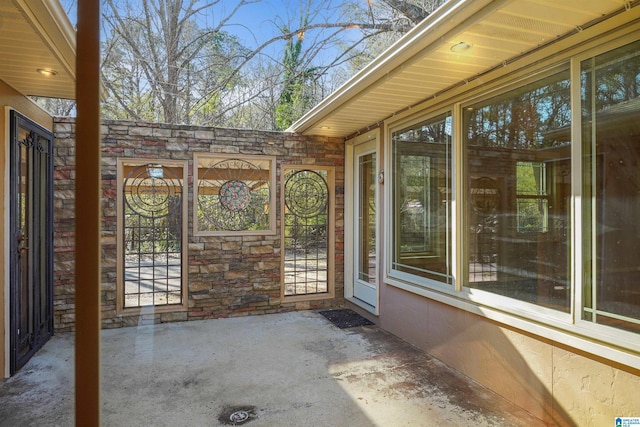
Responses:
[518,187]
[421,205]
[550,150]
[611,144]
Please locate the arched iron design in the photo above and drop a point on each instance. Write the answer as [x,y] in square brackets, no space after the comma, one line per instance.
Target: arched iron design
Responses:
[149,188]
[152,212]
[306,194]
[306,225]
[234,195]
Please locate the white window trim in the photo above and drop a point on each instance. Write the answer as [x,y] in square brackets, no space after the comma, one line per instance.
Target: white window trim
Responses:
[351,218]
[598,331]
[389,273]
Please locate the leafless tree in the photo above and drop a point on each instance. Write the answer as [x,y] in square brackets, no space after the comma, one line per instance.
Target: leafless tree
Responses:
[187,61]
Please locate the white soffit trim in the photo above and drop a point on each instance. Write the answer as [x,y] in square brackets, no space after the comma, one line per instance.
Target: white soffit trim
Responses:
[37,34]
[422,64]
[54,28]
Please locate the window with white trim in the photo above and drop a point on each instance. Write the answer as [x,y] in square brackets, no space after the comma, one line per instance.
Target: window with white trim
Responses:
[611,147]
[526,174]
[532,209]
[518,145]
[421,243]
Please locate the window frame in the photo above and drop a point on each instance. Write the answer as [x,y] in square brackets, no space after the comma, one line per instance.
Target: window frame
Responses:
[568,328]
[184,280]
[623,338]
[214,158]
[402,279]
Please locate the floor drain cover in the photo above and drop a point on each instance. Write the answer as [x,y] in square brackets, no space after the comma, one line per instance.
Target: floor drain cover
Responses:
[239,417]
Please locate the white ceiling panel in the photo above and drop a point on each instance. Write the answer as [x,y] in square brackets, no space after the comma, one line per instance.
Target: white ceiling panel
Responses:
[35,34]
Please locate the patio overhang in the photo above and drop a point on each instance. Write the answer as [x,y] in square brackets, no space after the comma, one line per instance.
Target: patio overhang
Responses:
[457,43]
[38,48]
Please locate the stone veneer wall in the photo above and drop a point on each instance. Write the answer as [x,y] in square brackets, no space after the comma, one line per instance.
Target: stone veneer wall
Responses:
[227,276]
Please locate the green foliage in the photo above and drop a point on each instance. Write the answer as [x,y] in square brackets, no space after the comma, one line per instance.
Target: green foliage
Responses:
[294,98]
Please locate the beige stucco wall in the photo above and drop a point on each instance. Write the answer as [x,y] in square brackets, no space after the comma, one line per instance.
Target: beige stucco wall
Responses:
[9,98]
[560,385]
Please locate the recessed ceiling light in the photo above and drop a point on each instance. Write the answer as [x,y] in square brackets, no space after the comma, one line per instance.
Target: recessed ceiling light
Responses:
[325,127]
[460,47]
[47,72]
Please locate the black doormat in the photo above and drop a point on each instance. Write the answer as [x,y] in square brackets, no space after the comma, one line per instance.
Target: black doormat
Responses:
[345,318]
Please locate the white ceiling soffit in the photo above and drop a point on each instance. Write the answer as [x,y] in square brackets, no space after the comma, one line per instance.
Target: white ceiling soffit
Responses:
[37,35]
[422,64]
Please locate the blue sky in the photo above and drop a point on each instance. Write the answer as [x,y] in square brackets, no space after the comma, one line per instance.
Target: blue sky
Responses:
[258,22]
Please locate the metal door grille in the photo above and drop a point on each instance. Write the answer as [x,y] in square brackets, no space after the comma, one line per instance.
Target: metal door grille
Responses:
[152,236]
[31,242]
[306,220]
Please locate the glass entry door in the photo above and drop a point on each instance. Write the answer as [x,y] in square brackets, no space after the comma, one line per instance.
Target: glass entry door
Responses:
[31,250]
[365,287]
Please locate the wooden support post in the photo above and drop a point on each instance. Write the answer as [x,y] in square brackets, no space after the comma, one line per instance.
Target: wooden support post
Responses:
[87,216]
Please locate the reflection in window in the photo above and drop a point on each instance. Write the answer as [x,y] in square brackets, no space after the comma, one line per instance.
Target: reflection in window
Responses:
[421,208]
[611,142]
[367,219]
[532,203]
[517,151]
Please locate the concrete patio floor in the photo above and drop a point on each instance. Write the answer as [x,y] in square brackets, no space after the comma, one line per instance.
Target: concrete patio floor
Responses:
[292,369]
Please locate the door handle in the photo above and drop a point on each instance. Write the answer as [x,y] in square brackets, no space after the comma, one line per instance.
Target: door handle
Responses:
[22,249]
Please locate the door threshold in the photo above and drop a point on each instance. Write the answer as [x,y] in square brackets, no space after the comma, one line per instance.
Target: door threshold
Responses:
[364,309]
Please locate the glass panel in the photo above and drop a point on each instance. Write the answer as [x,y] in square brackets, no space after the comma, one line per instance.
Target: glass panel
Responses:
[367,219]
[611,142]
[517,154]
[420,199]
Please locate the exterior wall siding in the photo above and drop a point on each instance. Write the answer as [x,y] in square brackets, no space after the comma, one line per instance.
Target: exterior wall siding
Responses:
[551,381]
[227,275]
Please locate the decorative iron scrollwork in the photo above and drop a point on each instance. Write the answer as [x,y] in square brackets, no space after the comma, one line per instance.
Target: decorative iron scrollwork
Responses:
[306,232]
[148,189]
[306,194]
[234,195]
